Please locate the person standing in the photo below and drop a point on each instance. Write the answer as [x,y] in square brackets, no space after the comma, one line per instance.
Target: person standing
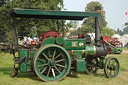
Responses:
[127,45]
[122,44]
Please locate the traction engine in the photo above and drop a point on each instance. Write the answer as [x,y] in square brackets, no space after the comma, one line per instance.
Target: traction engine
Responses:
[56,57]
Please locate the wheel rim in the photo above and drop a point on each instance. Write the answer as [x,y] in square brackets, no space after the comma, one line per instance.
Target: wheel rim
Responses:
[52,63]
[112,67]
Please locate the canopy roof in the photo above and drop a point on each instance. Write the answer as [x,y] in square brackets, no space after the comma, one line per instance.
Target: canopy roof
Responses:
[67,15]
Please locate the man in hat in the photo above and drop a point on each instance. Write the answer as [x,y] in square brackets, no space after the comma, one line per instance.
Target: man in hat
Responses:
[84,33]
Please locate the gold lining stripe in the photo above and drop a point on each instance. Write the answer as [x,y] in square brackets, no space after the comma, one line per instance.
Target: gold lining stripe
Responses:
[94,50]
[82,52]
[72,52]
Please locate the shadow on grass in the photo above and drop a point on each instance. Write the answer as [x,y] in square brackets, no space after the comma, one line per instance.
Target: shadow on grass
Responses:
[33,76]
[4,51]
[73,75]
[96,74]
[30,75]
[8,71]
[99,75]
[5,70]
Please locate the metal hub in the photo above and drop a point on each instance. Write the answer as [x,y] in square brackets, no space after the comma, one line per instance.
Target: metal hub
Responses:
[112,68]
[52,62]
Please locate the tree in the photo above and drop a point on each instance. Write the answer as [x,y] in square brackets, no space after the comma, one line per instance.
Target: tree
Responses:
[2,2]
[120,32]
[75,32]
[107,32]
[125,30]
[28,27]
[68,26]
[89,23]
[5,20]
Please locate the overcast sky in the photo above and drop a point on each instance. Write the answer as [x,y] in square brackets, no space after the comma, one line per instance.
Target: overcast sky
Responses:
[114,10]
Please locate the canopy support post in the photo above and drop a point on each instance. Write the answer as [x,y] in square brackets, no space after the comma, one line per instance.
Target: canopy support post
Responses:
[57,25]
[14,44]
[63,28]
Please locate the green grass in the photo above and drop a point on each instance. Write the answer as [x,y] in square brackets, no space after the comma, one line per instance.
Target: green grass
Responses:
[6,64]
[125,48]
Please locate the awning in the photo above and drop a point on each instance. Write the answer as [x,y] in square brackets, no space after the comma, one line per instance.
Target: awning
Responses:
[67,15]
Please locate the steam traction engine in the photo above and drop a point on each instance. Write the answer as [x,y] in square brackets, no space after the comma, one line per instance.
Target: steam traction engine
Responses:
[56,56]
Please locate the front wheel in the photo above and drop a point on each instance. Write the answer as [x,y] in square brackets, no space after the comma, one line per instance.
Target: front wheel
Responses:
[111,68]
[52,63]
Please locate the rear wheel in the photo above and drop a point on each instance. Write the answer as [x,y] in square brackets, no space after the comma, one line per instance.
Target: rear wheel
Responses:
[111,68]
[52,63]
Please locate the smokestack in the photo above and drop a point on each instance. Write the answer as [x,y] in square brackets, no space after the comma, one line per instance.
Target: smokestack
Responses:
[97,26]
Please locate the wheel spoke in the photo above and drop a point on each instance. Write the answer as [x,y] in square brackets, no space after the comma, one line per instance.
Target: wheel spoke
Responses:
[48,71]
[54,54]
[44,70]
[108,63]
[60,65]
[42,60]
[49,53]
[53,72]
[45,56]
[114,62]
[117,65]
[111,62]
[57,69]
[43,65]
[58,56]
[114,71]
[110,72]
[60,60]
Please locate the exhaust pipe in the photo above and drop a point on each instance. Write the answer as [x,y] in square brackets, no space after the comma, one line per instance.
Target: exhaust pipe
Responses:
[97,26]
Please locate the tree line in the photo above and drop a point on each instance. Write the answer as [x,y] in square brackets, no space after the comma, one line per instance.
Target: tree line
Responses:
[28,27]
[89,23]
[33,27]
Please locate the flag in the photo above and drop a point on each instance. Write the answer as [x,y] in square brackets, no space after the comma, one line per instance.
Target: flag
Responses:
[126,13]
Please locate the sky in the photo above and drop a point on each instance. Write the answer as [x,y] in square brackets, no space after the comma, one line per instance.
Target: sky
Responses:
[114,10]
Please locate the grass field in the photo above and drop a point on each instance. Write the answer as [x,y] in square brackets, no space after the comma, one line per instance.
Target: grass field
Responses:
[6,64]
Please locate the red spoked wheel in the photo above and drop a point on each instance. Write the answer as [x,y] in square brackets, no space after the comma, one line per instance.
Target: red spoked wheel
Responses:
[105,39]
[51,33]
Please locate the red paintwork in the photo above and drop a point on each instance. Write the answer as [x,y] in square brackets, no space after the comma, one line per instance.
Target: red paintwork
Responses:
[47,34]
[79,35]
[106,38]
[115,41]
[109,50]
[33,43]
